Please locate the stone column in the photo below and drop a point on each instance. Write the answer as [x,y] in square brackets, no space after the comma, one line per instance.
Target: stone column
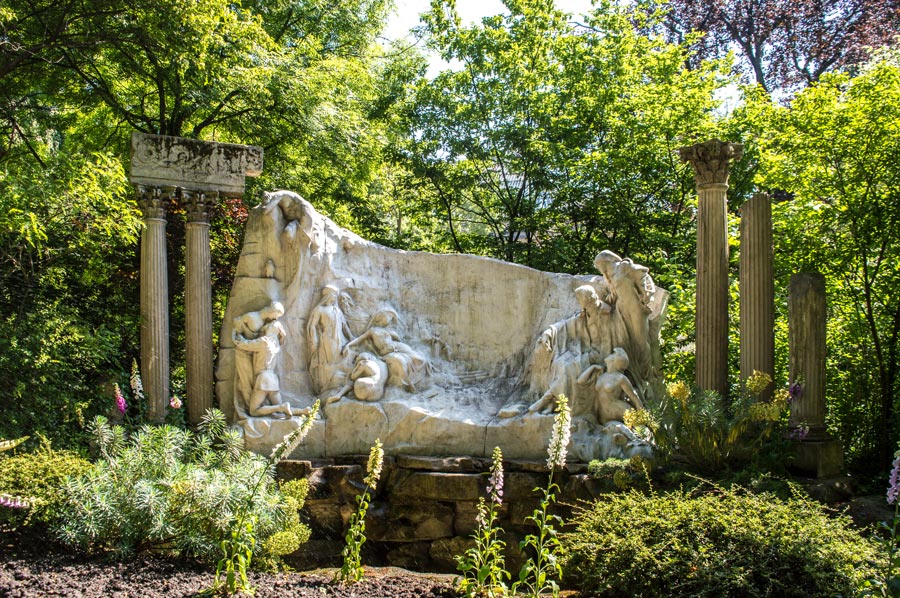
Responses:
[154,303]
[757,290]
[197,306]
[711,161]
[816,451]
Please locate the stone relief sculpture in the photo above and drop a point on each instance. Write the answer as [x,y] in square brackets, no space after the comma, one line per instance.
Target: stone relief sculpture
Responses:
[258,337]
[367,379]
[631,287]
[406,367]
[614,394]
[327,332]
[434,354]
[567,348]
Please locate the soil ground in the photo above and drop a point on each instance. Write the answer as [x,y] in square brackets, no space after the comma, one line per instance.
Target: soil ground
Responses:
[31,567]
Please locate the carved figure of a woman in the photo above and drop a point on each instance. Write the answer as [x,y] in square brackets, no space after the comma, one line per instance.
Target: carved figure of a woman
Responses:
[406,366]
[630,286]
[614,393]
[566,348]
[326,332]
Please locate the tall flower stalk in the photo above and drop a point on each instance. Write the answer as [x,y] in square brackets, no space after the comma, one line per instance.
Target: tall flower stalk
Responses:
[237,549]
[538,574]
[351,569]
[482,565]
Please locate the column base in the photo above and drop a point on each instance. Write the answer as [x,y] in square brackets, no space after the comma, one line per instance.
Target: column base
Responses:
[818,458]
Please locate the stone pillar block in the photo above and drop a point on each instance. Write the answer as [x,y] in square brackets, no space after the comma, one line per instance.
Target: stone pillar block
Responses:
[757,285]
[198,306]
[816,452]
[711,161]
[154,303]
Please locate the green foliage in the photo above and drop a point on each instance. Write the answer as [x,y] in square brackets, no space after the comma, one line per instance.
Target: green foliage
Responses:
[541,570]
[835,151]
[38,475]
[171,490]
[351,568]
[712,434]
[553,140]
[714,542]
[621,474]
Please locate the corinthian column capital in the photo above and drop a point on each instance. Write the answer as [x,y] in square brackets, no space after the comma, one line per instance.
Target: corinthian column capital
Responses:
[196,205]
[711,160]
[152,202]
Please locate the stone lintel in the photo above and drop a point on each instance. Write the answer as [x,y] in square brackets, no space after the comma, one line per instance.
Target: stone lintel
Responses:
[161,160]
[711,160]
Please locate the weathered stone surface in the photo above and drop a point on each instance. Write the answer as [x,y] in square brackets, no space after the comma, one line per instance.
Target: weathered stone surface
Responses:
[443,552]
[521,484]
[160,160]
[448,487]
[325,517]
[440,355]
[438,464]
[291,469]
[414,555]
[411,522]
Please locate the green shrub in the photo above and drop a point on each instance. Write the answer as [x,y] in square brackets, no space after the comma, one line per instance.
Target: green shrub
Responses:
[171,490]
[39,476]
[717,543]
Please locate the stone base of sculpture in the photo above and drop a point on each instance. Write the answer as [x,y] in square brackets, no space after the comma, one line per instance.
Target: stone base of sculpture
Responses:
[443,355]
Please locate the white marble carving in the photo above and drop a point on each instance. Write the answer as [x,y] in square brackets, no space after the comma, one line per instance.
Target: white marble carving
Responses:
[258,336]
[434,354]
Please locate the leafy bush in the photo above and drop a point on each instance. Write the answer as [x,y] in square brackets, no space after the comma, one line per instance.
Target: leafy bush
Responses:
[715,543]
[711,433]
[39,476]
[171,490]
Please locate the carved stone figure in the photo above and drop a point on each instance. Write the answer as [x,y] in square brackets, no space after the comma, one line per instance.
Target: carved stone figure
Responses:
[258,383]
[631,286]
[367,379]
[614,392]
[407,368]
[567,348]
[326,333]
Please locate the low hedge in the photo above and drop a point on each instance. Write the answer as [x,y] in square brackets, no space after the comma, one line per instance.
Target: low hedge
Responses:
[714,542]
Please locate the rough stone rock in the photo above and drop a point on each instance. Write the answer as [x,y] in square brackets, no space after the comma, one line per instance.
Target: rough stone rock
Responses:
[445,551]
[409,522]
[448,487]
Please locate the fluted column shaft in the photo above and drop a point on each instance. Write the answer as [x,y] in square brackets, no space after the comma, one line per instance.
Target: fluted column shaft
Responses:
[711,162]
[154,304]
[757,290]
[198,307]
[806,341]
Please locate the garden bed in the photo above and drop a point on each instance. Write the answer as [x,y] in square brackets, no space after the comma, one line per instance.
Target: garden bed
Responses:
[32,567]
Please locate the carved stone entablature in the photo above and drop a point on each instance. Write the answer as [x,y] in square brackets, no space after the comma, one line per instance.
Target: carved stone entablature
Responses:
[196,205]
[152,202]
[163,160]
[711,160]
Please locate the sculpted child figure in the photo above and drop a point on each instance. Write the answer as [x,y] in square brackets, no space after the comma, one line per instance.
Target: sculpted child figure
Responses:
[614,393]
[367,379]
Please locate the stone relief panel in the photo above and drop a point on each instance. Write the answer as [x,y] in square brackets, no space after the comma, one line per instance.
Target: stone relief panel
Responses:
[434,354]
